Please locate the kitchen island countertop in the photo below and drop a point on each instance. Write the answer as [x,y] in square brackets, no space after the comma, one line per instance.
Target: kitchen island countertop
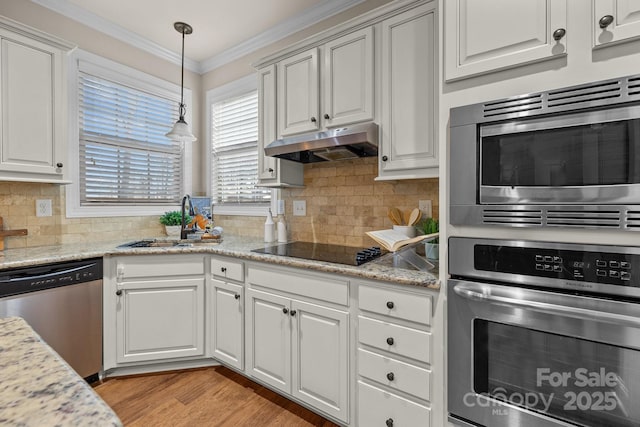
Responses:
[239,247]
[38,388]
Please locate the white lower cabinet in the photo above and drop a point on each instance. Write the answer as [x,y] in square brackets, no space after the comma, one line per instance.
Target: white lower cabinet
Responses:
[298,347]
[157,306]
[227,340]
[394,356]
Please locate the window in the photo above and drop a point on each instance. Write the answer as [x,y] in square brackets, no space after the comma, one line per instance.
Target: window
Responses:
[125,163]
[233,127]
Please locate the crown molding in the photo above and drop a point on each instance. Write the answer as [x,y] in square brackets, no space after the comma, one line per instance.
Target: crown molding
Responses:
[304,20]
[300,22]
[96,22]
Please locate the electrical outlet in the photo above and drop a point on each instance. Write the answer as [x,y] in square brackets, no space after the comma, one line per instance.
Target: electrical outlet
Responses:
[43,207]
[300,207]
[280,207]
[425,207]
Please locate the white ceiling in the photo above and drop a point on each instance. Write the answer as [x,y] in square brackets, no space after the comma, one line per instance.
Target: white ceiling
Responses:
[222,29]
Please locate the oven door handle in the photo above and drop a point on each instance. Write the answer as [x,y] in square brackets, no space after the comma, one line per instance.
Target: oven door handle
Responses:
[513,297]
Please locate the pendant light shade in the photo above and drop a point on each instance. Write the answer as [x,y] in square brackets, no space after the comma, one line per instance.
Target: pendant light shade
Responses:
[180,131]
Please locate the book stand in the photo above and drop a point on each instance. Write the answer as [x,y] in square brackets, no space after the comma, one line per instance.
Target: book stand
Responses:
[408,258]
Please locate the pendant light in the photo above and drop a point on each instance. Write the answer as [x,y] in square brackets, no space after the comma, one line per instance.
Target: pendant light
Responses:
[180,131]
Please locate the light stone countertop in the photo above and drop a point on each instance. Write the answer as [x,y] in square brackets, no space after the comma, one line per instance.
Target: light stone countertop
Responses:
[239,247]
[37,388]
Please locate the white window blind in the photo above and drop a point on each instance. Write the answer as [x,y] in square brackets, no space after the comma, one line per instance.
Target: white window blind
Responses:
[125,157]
[234,135]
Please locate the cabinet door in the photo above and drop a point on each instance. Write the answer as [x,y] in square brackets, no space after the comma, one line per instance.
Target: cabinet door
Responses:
[348,79]
[481,37]
[409,143]
[160,319]
[269,344]
[228,323]
[321,358]
[267,133]
[32,108]
[298,90]
[615,21]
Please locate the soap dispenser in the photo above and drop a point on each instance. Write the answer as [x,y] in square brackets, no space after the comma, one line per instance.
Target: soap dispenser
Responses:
[282,230]
[269,228]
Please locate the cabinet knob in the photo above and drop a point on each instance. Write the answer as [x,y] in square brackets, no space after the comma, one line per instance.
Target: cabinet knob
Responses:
[389,422]
[119,292]
[390,376]
[293,312]
[605,21]
[326,116]
[385,158]
[285,310]
[59,165]
[237,296]
[223,269]
[313,119]
[270,170]
[390,305]
[390,341]
[559,33]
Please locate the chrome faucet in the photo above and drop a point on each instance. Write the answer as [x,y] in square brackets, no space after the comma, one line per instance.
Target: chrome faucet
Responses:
[183,231]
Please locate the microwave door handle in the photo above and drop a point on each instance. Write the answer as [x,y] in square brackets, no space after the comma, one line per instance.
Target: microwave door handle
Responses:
[483,292]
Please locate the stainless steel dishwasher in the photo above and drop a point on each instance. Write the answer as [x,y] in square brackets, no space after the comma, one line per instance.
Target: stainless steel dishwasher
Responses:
[63,303]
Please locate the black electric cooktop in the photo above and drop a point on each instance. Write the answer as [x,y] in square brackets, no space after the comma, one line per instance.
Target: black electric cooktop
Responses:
[324,252]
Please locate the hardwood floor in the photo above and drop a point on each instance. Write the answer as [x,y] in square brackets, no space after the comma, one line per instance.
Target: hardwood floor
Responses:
[202,397]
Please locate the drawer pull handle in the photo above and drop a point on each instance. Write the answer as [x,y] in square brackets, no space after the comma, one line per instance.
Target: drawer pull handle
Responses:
[119,292]
[390,376]
[390,305]
[237,296]
[390,341]
[223,269]
[285,310]
[389,422]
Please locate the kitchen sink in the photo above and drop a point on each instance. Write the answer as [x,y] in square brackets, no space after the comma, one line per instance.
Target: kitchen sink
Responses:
[162,243]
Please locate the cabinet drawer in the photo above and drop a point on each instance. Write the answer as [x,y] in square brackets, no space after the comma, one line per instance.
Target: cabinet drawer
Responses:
[401,305]
[395,374]
[396,339]
[301,283]
[379,408]
[227,268]
[159,266]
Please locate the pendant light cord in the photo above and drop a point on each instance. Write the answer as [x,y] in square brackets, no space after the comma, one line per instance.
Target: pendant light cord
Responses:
[182,107]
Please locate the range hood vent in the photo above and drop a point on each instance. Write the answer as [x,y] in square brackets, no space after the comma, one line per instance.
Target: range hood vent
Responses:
[342,143]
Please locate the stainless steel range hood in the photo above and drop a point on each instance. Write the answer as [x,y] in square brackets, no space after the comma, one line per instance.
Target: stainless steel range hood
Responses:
[342,143]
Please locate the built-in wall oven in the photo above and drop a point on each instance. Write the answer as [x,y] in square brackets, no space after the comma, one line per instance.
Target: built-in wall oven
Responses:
[543,334]
[562,158]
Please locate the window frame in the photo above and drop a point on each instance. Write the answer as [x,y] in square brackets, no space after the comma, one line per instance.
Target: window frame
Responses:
[231,90]
[105,68]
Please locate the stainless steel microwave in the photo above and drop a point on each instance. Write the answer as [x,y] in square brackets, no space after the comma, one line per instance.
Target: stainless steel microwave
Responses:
[562,158]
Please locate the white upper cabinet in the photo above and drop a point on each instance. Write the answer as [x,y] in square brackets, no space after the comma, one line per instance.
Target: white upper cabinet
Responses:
[32,101]
[298,93]
[489,35]
[615,21]
[272,172]
[345,74]
[348,79]
[409,147]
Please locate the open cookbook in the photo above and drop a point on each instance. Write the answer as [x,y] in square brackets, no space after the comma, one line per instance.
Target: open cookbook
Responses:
[393,240]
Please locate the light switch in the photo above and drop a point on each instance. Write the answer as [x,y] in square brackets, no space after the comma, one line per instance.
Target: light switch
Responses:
[43,207]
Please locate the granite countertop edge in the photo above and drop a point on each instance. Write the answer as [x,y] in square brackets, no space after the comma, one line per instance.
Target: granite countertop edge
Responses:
[239,247]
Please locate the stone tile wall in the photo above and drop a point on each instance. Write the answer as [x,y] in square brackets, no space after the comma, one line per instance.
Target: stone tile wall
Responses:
[343,201]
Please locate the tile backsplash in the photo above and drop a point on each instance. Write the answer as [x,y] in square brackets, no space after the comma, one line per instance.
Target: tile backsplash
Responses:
[343,200]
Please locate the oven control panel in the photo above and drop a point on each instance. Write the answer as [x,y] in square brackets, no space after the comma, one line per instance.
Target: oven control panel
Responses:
[582,266]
